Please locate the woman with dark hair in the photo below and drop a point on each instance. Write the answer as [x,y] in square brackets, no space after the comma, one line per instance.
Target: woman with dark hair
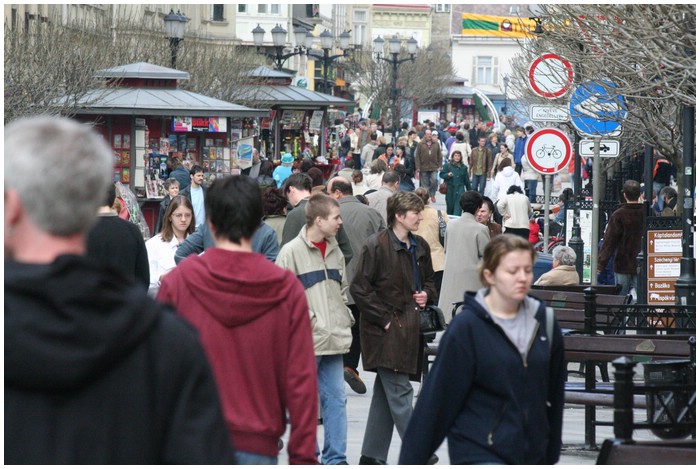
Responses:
[484,216]
[265,174]
[501,364]
[178,223]
[275,210]
[456,175]
[405,181]
[516,210]
[316,176]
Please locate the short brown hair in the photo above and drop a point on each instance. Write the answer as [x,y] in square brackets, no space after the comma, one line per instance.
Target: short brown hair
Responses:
[499,247]
[400,203]
[319,205]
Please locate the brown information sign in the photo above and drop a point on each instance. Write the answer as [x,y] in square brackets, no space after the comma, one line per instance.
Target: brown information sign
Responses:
[664,252]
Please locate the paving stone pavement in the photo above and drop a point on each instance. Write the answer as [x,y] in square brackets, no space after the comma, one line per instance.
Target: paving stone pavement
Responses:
[573,433]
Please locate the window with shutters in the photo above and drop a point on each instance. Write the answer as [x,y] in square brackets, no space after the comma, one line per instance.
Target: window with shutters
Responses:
[485,70]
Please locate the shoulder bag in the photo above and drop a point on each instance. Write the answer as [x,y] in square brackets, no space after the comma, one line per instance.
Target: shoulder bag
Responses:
[442,227]
[432,319]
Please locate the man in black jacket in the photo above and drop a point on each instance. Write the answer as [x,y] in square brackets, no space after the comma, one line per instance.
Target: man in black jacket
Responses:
[95,371]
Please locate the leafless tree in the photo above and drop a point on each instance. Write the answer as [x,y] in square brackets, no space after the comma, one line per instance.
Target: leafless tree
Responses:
[646,50]
[50,67]
[422,80]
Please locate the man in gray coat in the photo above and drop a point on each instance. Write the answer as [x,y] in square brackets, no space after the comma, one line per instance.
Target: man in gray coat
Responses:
[377,199]
[465,241]
[361,222]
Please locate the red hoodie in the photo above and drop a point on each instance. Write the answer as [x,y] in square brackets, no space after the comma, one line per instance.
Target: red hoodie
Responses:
[253,321]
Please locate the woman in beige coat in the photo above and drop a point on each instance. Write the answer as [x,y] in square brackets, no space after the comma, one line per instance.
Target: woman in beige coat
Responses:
[429,230]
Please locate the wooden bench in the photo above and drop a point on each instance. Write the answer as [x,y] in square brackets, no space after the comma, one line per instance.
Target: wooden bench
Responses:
[623,449]
[604,349]
[601,289]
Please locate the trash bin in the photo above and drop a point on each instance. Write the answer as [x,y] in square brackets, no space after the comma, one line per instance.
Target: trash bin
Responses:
[658,411]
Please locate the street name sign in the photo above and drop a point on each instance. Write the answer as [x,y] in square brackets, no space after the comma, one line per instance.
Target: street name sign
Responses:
[608,148]
[552,113]
[548,150]
[595,111]
[550,76]
[664,252]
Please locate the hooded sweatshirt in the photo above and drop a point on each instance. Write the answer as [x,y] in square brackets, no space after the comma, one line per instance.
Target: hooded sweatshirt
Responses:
[253,320]
[506,395]
[98,373]
[504,179]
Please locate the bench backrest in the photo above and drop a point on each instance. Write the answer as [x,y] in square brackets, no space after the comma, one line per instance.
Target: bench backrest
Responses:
[601,289]
[653,452]
[608,348]
[568,299]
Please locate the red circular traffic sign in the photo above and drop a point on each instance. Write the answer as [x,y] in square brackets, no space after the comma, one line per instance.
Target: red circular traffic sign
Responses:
[548,151]
[550,76]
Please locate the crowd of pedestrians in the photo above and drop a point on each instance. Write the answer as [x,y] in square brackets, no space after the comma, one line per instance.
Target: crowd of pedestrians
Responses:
[267,295]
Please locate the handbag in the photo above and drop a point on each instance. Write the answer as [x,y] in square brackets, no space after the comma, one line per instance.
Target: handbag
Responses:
[431,320]
[442,227]
[443,188]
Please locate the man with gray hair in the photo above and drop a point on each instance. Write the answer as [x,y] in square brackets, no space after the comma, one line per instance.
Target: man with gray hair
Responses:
[563,268]
[378,199]
[95,371]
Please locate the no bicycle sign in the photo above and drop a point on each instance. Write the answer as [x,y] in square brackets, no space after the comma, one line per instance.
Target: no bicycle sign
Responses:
[548,151]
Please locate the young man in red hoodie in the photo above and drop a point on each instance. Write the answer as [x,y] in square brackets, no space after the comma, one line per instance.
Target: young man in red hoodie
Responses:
[253,320]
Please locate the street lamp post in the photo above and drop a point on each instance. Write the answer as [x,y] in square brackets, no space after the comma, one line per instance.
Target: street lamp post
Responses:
[327,46]
[506,81]
[303,38]
[394,50]
[175,31]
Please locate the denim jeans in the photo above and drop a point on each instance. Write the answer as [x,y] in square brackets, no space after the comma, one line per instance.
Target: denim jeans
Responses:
[531,188]
[331,388]
[428,179]
[627,282]
[479,183]
[252,459]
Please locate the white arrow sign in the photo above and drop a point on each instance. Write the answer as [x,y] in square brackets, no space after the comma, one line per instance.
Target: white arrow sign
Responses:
[608,148]
[552,113]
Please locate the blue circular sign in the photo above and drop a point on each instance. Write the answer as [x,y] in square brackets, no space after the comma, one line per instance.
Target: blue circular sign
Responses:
[595,110]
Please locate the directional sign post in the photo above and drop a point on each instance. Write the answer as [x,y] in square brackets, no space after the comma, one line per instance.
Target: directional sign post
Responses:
[548,152]
[608,148]
[550,76]
[595,111]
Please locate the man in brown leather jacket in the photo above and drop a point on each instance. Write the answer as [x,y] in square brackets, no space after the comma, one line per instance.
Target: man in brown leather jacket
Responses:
[393,281]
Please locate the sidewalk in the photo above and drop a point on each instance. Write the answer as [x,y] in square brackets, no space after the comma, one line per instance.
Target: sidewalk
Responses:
[572,437]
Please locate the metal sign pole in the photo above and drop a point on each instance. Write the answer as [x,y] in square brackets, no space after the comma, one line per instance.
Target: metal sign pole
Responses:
[547,196]
[595,221]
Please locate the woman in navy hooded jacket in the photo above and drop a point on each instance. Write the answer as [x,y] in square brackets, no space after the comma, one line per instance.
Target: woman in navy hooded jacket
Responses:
[496,390]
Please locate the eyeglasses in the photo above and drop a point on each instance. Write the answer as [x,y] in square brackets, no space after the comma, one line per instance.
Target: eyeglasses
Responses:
[182,215]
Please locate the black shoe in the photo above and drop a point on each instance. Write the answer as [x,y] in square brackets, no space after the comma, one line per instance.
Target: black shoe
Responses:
[432,460]
[353,379]
[366,461]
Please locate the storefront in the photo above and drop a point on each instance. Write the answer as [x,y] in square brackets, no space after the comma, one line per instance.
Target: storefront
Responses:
[146,119]
[298,121]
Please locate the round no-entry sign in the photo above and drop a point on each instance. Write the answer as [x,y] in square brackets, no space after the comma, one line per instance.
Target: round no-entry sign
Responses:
[550,76]
[548,151]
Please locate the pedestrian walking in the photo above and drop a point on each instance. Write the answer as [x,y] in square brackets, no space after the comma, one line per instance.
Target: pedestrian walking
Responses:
[240,303]
[315,258]
[95,371]
[456,175]
[496,389]
[515,209]
[361,222]
[394,279]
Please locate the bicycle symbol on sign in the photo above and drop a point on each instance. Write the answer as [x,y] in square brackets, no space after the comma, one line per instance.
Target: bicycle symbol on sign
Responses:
[549,151]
